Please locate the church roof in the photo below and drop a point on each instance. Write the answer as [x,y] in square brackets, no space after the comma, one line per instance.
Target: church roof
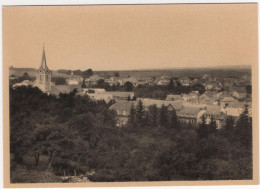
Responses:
[43,63]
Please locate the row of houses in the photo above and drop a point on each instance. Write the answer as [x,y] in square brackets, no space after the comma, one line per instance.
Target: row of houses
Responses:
[187,113]
[210,97]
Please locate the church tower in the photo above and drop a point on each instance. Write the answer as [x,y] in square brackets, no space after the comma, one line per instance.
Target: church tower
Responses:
[44,75]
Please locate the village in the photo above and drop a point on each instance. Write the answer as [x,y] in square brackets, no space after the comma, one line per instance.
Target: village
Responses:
[216,97]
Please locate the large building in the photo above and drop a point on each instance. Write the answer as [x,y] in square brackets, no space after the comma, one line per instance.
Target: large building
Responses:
[44,75]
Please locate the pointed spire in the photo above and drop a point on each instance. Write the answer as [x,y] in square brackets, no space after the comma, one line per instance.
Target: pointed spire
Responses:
[44,64]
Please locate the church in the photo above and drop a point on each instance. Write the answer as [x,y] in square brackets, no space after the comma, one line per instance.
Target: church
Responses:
[44,80]
[44,75]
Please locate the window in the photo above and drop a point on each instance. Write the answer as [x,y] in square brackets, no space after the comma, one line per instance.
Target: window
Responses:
[124,113]
[117,112]
[47,77]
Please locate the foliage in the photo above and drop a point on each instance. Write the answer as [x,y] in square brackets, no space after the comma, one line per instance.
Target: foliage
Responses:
[73,135]
[59,80]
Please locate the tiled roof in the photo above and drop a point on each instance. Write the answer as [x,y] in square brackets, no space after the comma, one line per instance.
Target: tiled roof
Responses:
[213,110]
[149,102]
[173,97]
[120,94]
[123,105]
[228,99]
[189,111]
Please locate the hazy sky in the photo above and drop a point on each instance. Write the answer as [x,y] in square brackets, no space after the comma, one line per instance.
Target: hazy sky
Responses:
[130,37]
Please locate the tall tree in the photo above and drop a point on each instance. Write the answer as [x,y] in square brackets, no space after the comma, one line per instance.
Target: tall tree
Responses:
[164,119]
[171,85]
[140,112]
[128,86]
[244,127]
[203,128]
[174,120]
[153,119]
[83,85]
[212,126]
[132,116]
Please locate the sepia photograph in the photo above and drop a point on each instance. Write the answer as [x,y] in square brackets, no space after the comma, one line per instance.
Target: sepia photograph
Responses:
[162,94]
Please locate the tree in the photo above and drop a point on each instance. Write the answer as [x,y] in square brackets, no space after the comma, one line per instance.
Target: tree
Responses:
[198,87]
[128,86]
[244,127]
[132,116]
[174,120]
[83,85]
[87,73]
[59,80]
[203,128]
[212,126]
[140,112]
[116,74]
[153,118]
[249,89]
[163,120]
[171,85]
[25,76]
[228,128]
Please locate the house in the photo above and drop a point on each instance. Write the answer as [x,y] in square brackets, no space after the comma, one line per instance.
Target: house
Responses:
[172,97]
[172,105]
[23,83]
[163,82]
[185,81]
[132,80]
[209,97]
[239,95]
[74,79]
[101,96]
[113,81]
[122,109]
[215,113]
[121,95]
[192,97]
[228,101]
[94,90]
[194,81]
[190,114]
[235,110]
[92,80]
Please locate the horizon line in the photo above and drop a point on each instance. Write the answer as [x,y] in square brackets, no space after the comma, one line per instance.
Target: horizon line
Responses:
[162,69]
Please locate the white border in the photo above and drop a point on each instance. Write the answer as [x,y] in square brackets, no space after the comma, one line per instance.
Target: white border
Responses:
[109,2]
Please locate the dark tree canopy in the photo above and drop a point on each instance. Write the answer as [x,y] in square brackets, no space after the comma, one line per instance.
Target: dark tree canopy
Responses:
[73,135]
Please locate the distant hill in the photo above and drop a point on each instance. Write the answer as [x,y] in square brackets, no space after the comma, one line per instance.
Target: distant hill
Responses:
[32,72]
[228,71]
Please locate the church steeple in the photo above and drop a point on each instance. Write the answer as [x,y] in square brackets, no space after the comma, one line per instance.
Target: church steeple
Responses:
[44,75]
[44,64]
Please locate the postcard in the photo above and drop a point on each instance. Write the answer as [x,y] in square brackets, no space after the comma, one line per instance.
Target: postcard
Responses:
[130,95]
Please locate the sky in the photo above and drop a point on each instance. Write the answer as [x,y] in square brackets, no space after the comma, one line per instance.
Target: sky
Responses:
[127,37]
